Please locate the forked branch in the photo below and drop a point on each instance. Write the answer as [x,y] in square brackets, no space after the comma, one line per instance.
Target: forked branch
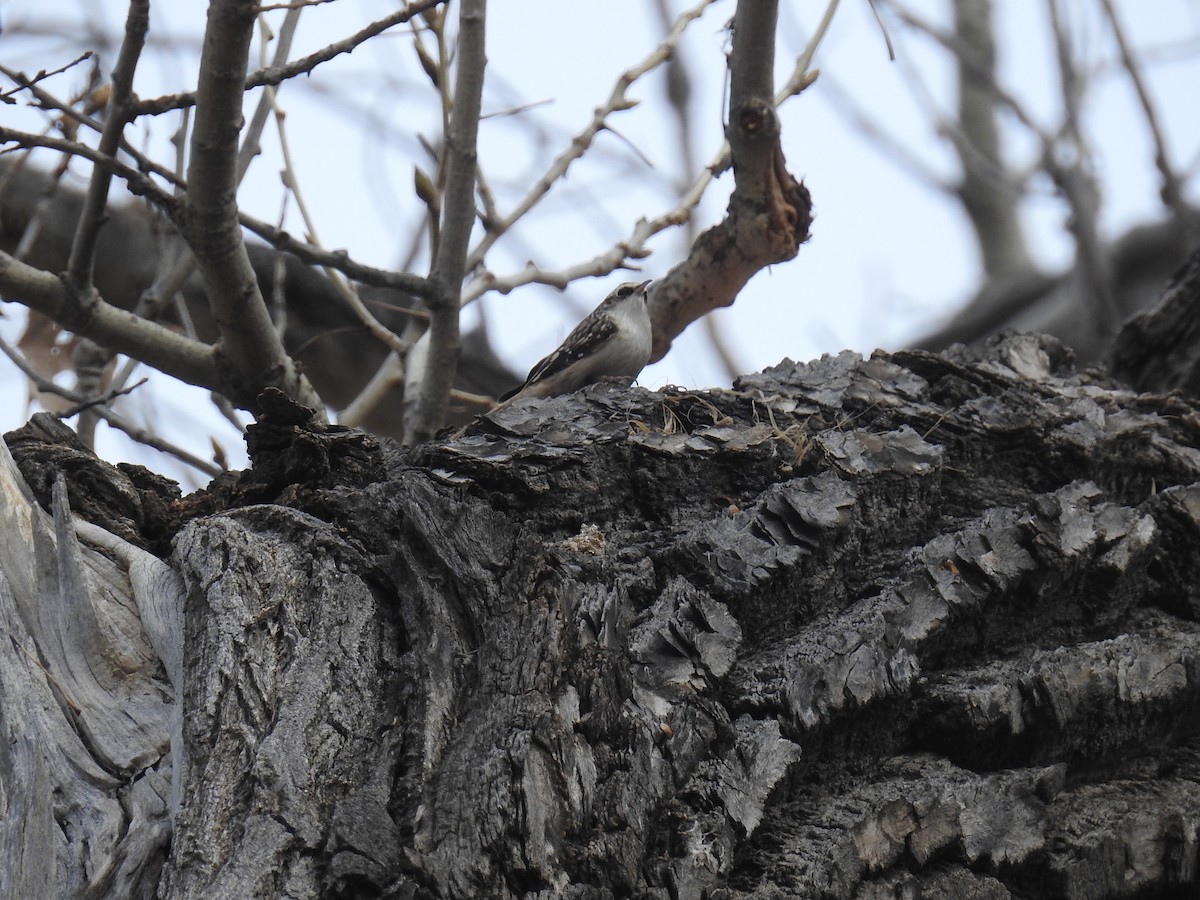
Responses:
[249,344]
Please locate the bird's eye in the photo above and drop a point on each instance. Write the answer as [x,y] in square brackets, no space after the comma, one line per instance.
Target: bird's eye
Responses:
[624,291]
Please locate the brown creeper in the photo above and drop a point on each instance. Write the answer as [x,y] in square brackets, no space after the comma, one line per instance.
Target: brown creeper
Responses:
[611,344]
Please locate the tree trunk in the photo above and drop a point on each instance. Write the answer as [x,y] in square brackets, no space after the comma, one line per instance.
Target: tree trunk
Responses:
[910,626]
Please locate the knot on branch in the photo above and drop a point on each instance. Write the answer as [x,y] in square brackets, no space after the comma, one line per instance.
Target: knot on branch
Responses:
[768,218]
[796,204]
[755,120]
[770,212]
[765,192]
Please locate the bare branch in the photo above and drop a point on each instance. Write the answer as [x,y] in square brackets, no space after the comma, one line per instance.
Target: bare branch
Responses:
[280,73]
[250,139]
[249,342]
[25,83]
[185,359]
[336,259]
[1171,190]
[989,201]
[458,216]
[802,73]
[769,212]
[292,7]
[1079,187]
[616,102]
[83,249]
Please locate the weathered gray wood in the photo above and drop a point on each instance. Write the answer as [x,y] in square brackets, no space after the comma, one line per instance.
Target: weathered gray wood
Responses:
[85,711]
[914,625]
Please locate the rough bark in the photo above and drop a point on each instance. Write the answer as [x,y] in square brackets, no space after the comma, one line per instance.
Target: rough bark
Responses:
[913,625]
[1159,348]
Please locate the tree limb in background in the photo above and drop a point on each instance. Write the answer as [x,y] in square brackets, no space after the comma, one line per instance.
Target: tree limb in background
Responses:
[90,359]
[249,342]
[426,411]
[1171,189]
[83,249]
[1076,180]
[769,212]
[1070,176]
[989,199]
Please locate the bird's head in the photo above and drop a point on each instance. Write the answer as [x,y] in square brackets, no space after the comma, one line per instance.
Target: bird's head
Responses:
[623,295]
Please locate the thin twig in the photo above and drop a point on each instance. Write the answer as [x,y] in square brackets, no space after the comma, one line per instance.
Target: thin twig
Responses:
[278,74]
[802,75]
[293,7]
[91,218]
[1171,190]
[1079,186]
[258,121]
[102,400]
[157,442]
[100,406]
[389,375]
[140,184]
[42,75]
[617,101]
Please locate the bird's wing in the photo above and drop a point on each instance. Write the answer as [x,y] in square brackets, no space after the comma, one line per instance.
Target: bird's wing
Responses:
[582,342]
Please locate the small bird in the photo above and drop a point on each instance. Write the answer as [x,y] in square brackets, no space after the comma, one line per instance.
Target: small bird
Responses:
[611,344]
